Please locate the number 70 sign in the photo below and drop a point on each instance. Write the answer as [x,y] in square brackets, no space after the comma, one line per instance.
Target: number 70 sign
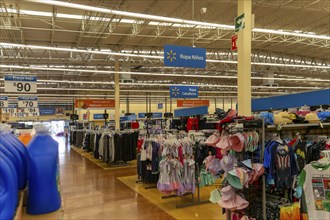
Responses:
[20,84]
[27,102]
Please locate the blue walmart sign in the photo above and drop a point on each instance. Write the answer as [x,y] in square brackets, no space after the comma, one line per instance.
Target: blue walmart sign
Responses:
[47,111]
[184,91]
[179,56]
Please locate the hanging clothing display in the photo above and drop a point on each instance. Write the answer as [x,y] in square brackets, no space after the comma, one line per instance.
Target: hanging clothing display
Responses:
[177,167]
[314,151]
[300,150]
[315,181]
[108,146]
[280,163]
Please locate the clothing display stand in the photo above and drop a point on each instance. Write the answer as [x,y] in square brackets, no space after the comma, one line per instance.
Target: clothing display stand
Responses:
[119,164]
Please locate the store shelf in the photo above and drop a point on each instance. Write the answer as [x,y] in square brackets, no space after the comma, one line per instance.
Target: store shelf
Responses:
[298,125]
[212,122]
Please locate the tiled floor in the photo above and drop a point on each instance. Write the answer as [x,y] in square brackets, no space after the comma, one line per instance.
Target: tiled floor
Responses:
[89,192]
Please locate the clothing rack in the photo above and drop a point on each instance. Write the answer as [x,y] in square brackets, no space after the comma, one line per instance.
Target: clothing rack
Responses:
[108,145]
[261,128]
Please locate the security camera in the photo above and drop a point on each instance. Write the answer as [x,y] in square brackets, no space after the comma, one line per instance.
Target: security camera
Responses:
[203,10]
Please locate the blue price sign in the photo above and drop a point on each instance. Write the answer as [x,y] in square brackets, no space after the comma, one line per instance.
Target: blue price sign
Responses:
[47,111]
[98,116]
[184,91]
[20,84]
[179,56]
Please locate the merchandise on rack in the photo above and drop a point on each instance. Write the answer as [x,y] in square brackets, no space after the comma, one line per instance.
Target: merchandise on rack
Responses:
[43,194]
[289,153]
[314,186]
[16,151]
[240,146]
[108,146]
[177,167]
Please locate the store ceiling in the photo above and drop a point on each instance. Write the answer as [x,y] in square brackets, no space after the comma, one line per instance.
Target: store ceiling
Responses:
[298,61]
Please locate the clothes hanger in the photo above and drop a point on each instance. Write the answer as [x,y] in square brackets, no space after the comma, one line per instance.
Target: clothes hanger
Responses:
[276,137]
[298,135]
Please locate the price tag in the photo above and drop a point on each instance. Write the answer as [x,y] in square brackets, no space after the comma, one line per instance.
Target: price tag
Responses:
[20,84]
[30,110]
[27,102]
[33,114]
[4,102]
[20,114]
[9,111]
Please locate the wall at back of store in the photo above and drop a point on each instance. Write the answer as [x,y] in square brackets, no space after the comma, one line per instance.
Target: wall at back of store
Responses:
[141,108]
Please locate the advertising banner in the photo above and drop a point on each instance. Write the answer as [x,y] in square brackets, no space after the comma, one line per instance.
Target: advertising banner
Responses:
[47,111]
[94,103]
[192,103]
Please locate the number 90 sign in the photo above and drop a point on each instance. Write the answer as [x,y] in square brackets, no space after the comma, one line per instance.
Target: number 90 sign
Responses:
[21,84]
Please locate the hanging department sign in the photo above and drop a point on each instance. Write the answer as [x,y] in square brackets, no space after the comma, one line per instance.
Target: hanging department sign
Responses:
[239,22]
[27,102]
[192,103]
[94,103]
[3,101]
[179,56]
[20,84]
[183,91]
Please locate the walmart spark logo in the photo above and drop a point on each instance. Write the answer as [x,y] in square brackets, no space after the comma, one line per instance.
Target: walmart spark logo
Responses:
[171,56]
[175,91]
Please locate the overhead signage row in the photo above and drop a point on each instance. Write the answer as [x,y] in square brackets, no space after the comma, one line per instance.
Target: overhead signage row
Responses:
[94,103]
[21,112]
[183,91]
[20,84]
[181,56]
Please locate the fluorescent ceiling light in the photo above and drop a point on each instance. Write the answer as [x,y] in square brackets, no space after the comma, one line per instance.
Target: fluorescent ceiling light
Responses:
[144,73]
[122,96]
[199,85]
[8,45]
[173,20]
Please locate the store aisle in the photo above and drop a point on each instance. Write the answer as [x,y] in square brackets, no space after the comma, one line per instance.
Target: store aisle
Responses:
[89,192]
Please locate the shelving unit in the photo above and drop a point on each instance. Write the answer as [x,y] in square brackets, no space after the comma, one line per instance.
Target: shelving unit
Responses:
[299,125]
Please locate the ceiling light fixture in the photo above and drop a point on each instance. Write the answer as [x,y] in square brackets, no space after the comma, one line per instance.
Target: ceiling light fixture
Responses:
[171,20]
[3,44]
[146,74]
